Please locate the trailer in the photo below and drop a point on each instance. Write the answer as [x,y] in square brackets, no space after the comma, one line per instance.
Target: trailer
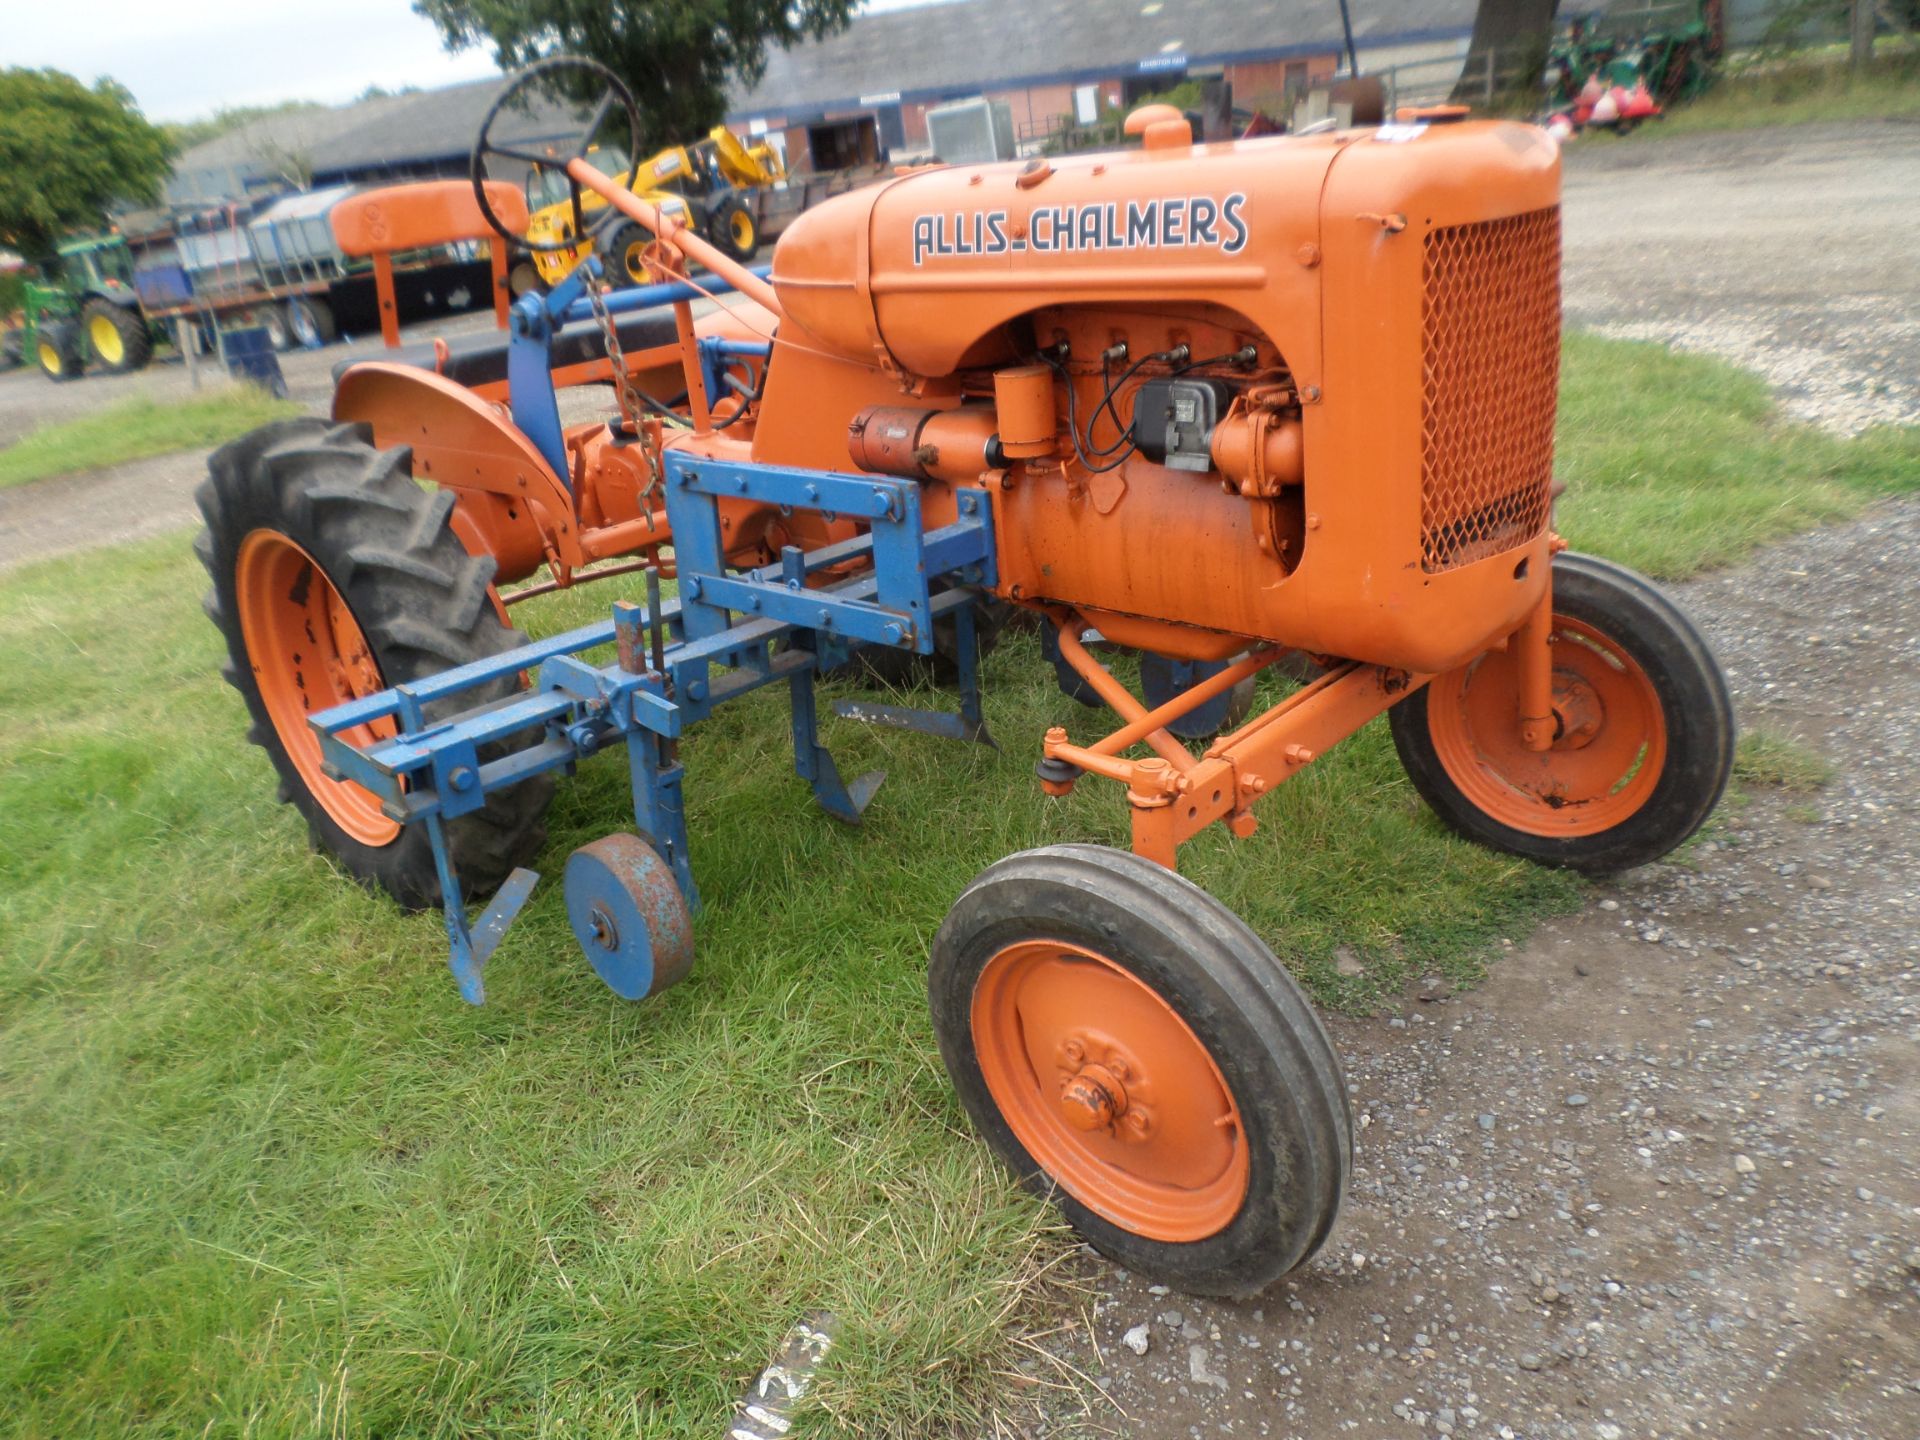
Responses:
[283,271]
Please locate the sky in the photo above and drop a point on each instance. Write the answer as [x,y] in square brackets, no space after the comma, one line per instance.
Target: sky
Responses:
[184,59]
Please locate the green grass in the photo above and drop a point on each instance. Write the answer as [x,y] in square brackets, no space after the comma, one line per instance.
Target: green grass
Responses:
[1675,462]
[1781,763]
[1802,90]
[261,1173]
[137,428]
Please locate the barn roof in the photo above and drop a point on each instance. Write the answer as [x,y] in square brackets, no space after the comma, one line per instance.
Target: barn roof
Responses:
[961,47]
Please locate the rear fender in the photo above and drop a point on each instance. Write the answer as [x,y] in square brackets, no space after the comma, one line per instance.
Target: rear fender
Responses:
[510,504]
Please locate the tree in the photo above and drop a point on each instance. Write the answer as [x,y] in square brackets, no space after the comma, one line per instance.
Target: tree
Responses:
[185,134]
[1504,31]
[677,56]
[68,152]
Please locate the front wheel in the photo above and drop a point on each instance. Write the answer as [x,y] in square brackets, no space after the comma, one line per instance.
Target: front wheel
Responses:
[1131,1049]
[730,225]
[60,352]
[623,256]
[1644,732]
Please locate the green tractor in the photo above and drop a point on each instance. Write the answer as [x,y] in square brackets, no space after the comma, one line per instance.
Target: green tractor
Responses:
[84,310]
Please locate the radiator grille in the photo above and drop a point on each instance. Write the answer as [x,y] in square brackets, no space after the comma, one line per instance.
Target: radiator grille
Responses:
[1490,318]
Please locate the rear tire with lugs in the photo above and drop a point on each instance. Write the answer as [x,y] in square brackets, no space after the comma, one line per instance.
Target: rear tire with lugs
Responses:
[335,575]
[117,335]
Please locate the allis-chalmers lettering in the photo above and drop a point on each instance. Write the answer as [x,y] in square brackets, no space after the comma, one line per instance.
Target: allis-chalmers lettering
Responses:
[1183,222]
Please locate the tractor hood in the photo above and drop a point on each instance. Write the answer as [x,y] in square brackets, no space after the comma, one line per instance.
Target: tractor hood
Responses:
[922,266]
[919,269]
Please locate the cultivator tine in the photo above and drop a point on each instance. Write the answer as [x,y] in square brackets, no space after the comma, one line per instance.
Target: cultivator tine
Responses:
[507,902]
[470,946]
[969,724]
[814,762]
[943,724]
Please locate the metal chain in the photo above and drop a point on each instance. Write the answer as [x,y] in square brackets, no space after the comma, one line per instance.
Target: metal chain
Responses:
[632,409]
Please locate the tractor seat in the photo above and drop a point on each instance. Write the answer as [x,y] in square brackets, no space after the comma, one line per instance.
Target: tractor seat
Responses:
[475,360]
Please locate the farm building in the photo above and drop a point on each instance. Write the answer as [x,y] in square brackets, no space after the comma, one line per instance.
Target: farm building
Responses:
[865,92]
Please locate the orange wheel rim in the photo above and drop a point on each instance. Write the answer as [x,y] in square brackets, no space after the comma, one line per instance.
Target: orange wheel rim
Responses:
[308,653]
[1109,1091]
[1609,749]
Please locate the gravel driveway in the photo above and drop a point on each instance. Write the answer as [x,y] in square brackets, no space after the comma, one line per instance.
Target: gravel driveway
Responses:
[1793,251]
[1660,1174]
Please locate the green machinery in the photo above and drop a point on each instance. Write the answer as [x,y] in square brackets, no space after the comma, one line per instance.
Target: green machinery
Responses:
[84,310]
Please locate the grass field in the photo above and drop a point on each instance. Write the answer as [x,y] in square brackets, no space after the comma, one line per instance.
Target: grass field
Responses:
[262,1174]
[1804,89]
[137,428]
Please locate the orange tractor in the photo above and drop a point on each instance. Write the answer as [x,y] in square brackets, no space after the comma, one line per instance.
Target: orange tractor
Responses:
[1217,403]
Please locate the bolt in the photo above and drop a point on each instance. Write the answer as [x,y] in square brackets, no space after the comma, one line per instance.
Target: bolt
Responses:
[1074,1051]
[1139,1122]
[1118,1065]
[895,632]
[692,586]
[462,778]
[1298,755]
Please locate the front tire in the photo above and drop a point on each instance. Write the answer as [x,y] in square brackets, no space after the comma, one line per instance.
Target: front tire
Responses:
[731,226]
[1132,1050]
[334,576]
[1645,732]
[58,349]
[623,256]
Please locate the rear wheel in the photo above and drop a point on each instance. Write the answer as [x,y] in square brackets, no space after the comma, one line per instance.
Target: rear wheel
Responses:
[58,348]
[1130,1048]
[730,225]
[334,576]
[117,336]
[311,320]
[1644,732]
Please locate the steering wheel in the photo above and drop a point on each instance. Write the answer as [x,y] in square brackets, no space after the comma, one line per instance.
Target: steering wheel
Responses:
[615,92]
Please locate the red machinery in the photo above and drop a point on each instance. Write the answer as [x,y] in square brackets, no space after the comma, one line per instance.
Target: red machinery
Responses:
[1220,403]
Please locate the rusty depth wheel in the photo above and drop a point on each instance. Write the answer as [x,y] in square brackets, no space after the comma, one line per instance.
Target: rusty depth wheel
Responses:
[334,576]
[1643,742]
[1131,1049]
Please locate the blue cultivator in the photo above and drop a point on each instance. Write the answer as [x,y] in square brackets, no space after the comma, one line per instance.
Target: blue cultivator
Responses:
[725,635]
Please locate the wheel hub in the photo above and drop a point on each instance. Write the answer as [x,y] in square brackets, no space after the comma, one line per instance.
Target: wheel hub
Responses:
[1578,713]
[1092,1099]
